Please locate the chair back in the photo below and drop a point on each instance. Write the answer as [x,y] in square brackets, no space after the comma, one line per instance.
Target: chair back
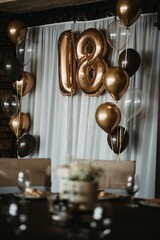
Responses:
[38,167]
[115,172]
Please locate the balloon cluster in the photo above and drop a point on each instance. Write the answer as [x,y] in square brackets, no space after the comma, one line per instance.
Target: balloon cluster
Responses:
[117,78]
[23,82]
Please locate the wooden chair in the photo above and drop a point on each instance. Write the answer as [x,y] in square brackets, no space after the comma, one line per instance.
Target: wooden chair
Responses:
[38,167]
[115,172]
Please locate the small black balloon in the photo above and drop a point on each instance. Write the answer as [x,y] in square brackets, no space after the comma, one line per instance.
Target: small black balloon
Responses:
[130,60]
[26,145]
[118,140]
[12,68]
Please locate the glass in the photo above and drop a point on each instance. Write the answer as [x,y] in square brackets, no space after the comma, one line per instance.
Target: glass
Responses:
[24,180]
[132,188]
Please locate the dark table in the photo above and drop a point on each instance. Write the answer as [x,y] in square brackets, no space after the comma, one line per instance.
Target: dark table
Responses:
[32,221]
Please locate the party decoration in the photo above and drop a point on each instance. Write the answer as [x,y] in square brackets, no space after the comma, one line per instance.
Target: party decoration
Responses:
[90,49]
[132,103]
[10,104]
[130,60]
[25,84]
[67,71]
[118,140]
[108,116]
[24,51]
[12,68]
[19,123]
[128,11]
[116,82]
[16,31]
[117,35]
[26,145]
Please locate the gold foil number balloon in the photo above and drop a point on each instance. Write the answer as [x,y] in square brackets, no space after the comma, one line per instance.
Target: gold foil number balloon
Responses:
[90,49]
[108,116]
[67,78]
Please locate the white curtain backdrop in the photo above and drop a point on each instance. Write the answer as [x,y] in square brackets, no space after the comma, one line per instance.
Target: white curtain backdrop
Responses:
[66,125]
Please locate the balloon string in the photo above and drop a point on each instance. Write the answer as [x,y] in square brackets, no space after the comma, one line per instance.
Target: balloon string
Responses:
[118,157]
[112,144]
[20,163]
[122,136]
[125,61]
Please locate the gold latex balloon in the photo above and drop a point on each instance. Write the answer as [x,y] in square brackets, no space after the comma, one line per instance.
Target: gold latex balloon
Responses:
[90,49]
[128,11]
[116,82]
[16,31]
[24,85]
[108,116]
[19,123]
[67,68]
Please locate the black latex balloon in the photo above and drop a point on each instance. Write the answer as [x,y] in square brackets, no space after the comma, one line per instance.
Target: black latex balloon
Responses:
[130,60]
[26,145]
[118,140]
[12,68]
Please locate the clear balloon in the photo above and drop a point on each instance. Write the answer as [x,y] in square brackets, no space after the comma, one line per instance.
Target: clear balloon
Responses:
[132,103]
[26,145]
[108,116]
[128,11]
[117,35]
[24,51]
[10,104]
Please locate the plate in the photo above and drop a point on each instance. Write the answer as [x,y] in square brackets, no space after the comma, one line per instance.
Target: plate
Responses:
[36,194]
[155,202]
[106,196]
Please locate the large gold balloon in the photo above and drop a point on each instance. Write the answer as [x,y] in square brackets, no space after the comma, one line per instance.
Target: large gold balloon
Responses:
[67,64]
[25,84]
[116,82]
[19,123]
[90,49]
[128,11]
[16,31]
[108,116]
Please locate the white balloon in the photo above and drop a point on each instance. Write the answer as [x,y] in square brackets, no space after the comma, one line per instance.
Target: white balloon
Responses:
[24,51]
[117,35]
[132,103]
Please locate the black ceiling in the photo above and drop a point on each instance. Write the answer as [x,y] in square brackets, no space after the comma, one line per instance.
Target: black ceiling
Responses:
[40,12]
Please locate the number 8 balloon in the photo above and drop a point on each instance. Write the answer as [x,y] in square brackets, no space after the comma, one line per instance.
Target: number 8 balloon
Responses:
[132,103]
